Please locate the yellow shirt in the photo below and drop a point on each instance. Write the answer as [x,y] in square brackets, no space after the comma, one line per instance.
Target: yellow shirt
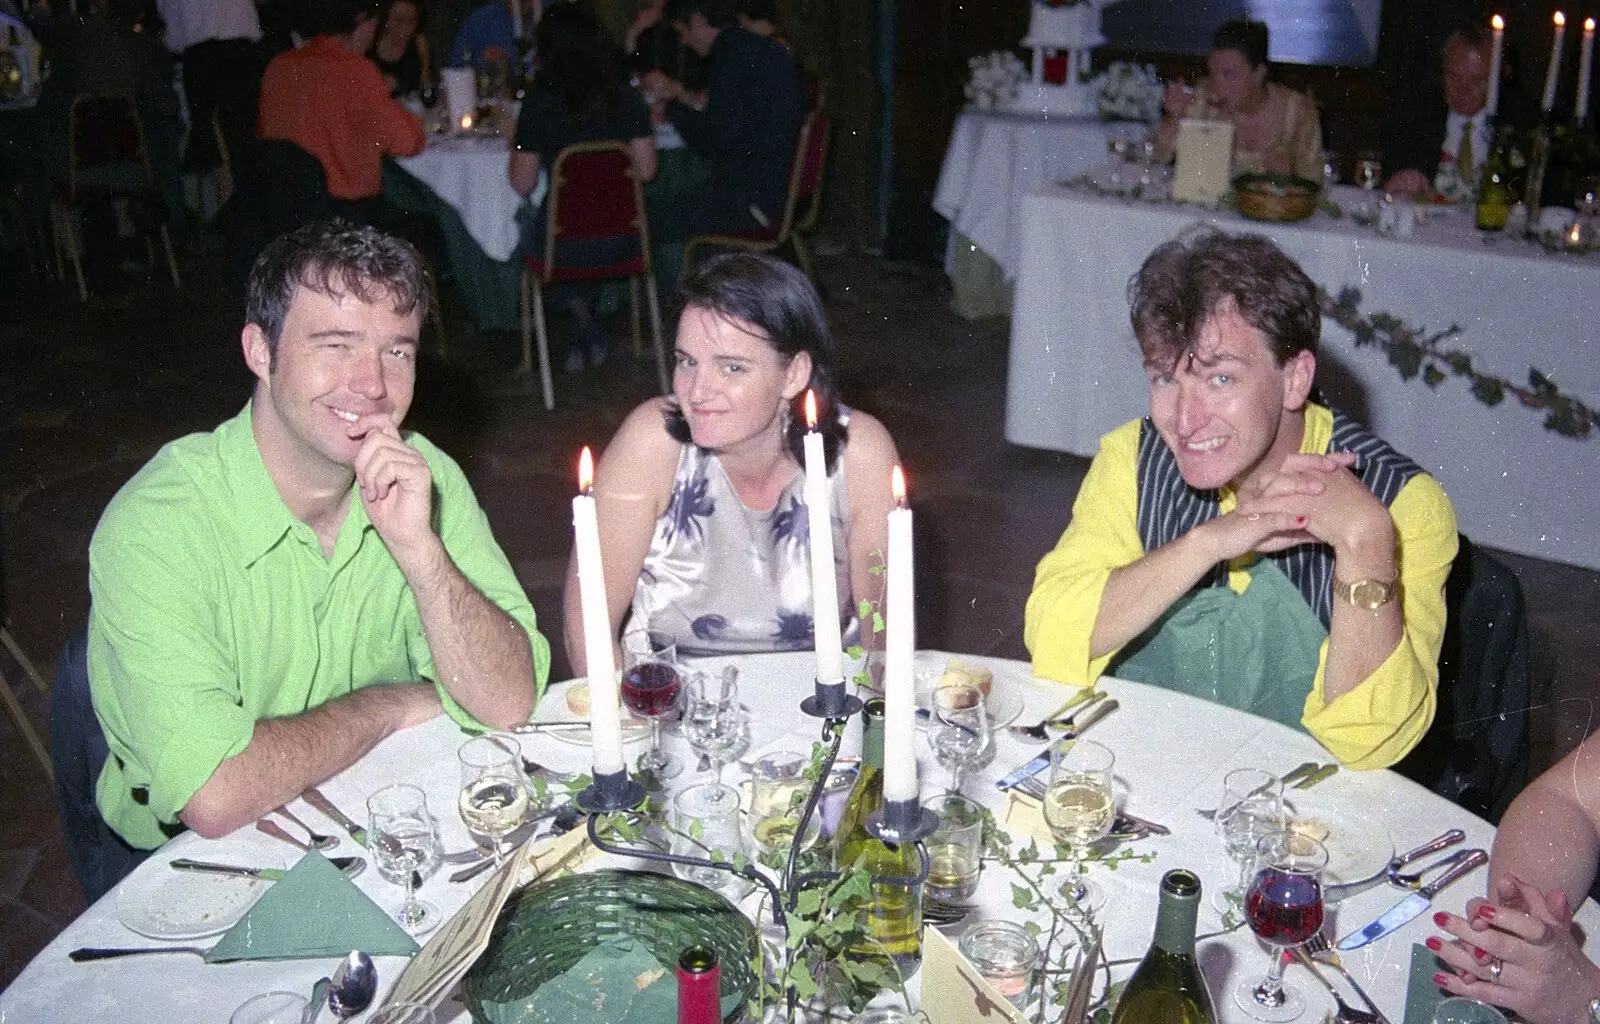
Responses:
[1372,726]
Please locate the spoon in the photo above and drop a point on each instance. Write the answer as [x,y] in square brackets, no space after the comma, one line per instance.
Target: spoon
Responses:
[316,839]
[1037,731]
[354,983]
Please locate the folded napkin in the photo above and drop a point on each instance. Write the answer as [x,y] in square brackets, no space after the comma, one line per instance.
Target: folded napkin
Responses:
[314,911]
[1422,995]
[617,982]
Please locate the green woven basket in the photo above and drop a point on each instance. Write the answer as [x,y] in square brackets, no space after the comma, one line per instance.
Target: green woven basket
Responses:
[547,928]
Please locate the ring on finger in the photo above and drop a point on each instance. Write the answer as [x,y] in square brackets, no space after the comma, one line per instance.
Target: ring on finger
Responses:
[1253,516]
[1496,965]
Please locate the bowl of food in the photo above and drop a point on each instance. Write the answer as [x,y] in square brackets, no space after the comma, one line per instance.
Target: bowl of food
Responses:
[1280,197]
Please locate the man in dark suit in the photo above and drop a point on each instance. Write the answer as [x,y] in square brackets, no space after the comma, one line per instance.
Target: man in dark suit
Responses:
[754,107]
[1440,144]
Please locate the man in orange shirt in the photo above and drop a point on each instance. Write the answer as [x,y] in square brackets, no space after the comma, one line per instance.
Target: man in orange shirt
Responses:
[331,101]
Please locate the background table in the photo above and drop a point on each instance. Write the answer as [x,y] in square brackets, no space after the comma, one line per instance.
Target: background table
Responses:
[1172,751]
[1075,371]
[995,158]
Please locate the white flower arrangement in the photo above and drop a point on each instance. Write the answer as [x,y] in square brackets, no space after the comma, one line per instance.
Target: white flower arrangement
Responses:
[995,79]
[1129,92]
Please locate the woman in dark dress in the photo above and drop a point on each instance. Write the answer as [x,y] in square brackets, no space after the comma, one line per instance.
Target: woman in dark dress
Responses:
[579,95]
[400,49]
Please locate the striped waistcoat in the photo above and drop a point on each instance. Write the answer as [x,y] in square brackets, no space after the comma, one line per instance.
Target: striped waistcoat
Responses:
[1170,508]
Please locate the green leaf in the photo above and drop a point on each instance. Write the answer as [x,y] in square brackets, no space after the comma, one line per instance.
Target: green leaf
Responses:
[809,903]
[1488,390]
[1021,897]
[697,829]
[855,652]
[877,622]
[864,609]
[1433,376]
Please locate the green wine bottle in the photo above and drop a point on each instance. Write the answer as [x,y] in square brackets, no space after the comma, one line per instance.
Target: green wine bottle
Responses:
[1494,189]
[894,913]
[1167,988]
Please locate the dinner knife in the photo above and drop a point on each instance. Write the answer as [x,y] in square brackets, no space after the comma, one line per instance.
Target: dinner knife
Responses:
[1344,890]
[314,797]
[1042,760]
[1403,912]
[351,866]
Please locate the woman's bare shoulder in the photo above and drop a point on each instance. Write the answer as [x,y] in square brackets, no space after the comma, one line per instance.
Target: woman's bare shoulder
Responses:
[642,446]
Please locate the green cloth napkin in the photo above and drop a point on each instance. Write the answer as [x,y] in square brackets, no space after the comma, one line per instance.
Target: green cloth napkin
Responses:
[1422,995]
[601,987]
[313,912]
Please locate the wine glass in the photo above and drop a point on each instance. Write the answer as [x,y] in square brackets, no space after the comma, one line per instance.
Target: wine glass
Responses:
[960,733]
[1284,908]
[1079,808]
[494,794]
[705,824]
[778,791]
[713,722]
[1251,807]
[650,685]
[404,841]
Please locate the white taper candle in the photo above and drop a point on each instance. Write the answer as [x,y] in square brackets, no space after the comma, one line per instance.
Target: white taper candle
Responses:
[824,581]
[899,756]
[605,714]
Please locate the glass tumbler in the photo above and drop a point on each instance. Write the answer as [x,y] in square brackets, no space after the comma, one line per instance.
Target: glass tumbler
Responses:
[1007,957]
[955,850]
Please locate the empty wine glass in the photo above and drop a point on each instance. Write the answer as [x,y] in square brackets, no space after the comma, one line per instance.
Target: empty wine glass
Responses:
[713,722]
[1284,908]
[1079,808]
[650,685]
[494,794]
[959,732]
[1251,807]
[705,824]
[404,841]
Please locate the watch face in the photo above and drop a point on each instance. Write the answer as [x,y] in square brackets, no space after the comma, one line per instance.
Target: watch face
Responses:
[1368,594]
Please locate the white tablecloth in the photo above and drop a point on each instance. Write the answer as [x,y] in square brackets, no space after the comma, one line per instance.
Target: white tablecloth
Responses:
[1075,370]
[1172,751]
[469,173]
[995,158]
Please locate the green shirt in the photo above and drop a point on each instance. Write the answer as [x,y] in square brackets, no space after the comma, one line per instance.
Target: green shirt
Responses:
[213,608]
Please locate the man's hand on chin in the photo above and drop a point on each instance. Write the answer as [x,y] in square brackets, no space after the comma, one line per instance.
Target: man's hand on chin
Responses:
[396,488]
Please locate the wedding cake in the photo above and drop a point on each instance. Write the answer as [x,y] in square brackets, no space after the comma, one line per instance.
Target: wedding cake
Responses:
[1066,31]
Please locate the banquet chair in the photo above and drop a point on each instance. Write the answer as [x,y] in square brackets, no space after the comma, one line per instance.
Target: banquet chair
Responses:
[1476,753]
[596,198]
[800,208]
[9,698]
[107,162]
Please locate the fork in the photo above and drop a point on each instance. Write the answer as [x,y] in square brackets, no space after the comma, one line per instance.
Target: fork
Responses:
[937,913]
[1319,948]
[1082,699]
[317,839]
[1346,1014]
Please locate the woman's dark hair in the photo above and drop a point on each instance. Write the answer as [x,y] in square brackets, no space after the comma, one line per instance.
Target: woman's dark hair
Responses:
[1246,36]
[777,300]
[333,257]
[1183,282]
[422,14]
[578,61]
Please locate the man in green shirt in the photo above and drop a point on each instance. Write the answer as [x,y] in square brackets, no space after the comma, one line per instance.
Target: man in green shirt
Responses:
[272,599]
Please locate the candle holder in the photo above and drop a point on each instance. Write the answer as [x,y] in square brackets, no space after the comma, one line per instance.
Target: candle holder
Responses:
[902,821]
[609,794]
[829,699]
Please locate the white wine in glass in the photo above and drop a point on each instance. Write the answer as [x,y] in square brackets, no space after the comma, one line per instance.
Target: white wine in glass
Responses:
[494,793]
[1079,807]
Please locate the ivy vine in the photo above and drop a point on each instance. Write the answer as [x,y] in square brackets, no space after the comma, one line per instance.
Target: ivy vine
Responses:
[1412,352]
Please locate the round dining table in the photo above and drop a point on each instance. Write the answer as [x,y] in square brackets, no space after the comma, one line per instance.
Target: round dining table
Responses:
[1171,750]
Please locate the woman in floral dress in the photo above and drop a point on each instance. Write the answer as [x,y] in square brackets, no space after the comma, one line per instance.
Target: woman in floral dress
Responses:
[700,496]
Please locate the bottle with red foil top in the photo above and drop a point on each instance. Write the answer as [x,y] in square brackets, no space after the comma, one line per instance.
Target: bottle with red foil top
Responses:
[699,986]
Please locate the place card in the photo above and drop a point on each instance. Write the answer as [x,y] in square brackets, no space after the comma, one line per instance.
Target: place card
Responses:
[1205,161]
[952,983]
[1024,817]
[433,973]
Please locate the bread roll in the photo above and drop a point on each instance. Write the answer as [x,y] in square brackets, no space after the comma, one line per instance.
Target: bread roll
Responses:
[578,699]
[958,671]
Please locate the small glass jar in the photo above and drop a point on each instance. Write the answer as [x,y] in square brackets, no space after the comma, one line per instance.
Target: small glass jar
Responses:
[882,1015]
[1007,957]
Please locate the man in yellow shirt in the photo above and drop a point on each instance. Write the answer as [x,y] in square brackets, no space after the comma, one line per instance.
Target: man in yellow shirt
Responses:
[1243,542]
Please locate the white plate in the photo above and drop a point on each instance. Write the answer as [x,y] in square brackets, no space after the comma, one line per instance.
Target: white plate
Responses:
[553,708]
[163,903]
[1003,705]
[1358,845]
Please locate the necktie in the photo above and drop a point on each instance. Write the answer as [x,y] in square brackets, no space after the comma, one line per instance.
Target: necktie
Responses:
[1464,167]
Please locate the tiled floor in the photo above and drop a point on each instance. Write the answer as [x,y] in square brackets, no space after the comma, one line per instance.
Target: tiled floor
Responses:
[88,392]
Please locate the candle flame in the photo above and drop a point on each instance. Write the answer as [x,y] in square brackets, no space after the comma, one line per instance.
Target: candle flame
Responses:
[585,471]
[1588,26]
[1575,236]
[466,121]
[1497,23]
[1561,20]
[897,485]
[811,409]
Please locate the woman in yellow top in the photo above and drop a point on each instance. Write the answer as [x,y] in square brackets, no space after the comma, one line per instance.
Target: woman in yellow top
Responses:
[1275,129]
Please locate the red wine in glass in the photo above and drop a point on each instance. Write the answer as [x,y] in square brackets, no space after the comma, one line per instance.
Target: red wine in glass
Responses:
[651,689]
[1284,908]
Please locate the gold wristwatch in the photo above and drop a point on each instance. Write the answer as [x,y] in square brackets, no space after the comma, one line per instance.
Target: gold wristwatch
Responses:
[1366,594]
